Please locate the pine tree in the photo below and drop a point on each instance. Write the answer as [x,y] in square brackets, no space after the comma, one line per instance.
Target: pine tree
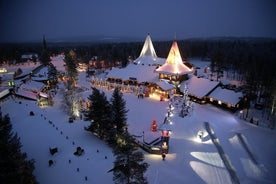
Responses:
[13,164]
[128,165]
[99,113]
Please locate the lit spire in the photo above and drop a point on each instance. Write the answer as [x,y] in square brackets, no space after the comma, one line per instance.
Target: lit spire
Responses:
[174,64]
[148,49]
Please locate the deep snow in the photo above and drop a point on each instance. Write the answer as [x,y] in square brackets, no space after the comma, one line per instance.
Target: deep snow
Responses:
[189,160]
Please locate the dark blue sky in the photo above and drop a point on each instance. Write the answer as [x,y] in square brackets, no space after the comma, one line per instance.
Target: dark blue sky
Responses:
[28,20]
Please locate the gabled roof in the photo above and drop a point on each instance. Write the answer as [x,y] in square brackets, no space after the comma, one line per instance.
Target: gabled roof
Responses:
[226,96]
[174,64]
[199,87]
[165,85]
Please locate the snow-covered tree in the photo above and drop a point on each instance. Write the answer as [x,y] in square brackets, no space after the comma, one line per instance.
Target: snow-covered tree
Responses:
[185,102]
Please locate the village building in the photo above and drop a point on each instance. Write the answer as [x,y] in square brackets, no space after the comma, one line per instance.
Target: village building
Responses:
[171,73]
[140,72]
[29,56]
[147,76]
[174,69]
[199,88]
[148,55]
[163,77]
[226,98]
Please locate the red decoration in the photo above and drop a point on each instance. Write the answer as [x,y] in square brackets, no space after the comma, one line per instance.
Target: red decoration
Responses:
[165,133]
[154,125]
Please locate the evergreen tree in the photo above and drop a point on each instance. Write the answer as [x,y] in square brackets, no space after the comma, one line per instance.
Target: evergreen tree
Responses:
[45,57]
[13,164]
[118,114]
[71,70]
[129,167]
[99,113]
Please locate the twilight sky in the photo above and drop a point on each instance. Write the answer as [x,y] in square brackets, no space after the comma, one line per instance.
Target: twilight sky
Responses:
[28,20]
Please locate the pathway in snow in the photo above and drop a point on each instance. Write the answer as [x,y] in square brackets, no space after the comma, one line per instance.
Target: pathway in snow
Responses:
[225,160]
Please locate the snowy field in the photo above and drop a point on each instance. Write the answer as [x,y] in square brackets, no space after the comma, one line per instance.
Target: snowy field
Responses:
[248,149]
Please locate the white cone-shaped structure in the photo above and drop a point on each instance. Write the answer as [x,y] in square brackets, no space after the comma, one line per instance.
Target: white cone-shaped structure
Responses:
[174,64]
[148,55]
[148,49]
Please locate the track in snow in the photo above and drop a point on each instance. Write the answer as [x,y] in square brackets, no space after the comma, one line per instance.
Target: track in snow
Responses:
[225,160]
[243,143]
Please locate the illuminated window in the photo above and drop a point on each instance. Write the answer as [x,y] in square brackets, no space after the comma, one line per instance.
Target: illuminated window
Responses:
[219,102]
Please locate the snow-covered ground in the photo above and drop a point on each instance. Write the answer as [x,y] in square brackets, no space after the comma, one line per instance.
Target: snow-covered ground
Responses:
[249,149]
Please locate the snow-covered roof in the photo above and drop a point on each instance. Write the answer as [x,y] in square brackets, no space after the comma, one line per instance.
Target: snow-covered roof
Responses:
[198,87]
[226,95]
[165,85]
[29,56]
[174,64]
[142,73]
[26,94]
[4,92]
[32,86]
[41,75]
[58,62]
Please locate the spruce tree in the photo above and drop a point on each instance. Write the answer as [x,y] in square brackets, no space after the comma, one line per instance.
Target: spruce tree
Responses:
[129,167]
[118,115]
[13,164]
[99,113]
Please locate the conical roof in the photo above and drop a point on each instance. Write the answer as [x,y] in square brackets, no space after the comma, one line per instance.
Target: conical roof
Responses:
[148,49]
[174,64]
[148,55]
